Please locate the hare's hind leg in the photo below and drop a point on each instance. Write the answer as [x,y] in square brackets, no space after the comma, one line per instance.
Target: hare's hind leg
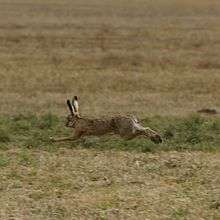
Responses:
[153,135]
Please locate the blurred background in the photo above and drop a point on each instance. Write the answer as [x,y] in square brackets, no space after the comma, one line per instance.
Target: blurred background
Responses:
[136,57]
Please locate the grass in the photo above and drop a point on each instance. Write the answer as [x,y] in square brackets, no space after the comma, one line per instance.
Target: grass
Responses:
[4,161]
[89,183]
[108,177]
[154,59]
[4,136]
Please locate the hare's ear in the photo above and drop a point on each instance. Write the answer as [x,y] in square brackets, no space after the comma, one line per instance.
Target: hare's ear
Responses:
[75,105]
[70,106]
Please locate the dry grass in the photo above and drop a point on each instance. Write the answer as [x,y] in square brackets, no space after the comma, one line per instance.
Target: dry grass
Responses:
[144,57]
[82,184]
[119,56]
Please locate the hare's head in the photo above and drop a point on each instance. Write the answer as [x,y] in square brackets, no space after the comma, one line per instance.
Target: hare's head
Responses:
[74,112]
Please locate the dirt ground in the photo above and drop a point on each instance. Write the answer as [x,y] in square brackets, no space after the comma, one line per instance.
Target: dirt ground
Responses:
[91,184]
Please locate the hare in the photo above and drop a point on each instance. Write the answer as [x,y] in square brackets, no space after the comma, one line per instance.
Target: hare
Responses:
[124,126]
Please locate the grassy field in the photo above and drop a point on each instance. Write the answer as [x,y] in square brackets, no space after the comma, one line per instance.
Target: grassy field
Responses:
[109,178]
[158,60]
[151,58]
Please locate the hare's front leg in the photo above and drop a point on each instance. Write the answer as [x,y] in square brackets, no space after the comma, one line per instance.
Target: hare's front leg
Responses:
[62,139]
[72,138]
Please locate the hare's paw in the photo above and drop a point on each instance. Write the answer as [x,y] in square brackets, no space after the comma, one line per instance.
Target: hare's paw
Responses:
[156,138]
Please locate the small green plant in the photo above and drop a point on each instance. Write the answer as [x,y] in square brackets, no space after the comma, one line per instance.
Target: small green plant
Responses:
[180,213]
[140,144]
[48,121]
[4,136]
[22,124]
[26,159]
[4,161]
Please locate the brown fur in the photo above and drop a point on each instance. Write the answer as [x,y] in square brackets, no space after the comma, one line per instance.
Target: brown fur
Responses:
[125,127]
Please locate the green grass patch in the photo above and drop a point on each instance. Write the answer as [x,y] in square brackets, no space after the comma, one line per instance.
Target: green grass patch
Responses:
[4,135]
[4,161]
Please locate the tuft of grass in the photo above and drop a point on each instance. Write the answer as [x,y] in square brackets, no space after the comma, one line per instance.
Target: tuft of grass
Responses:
[26,159]
[4,161]
[22,124]
[48,121]
[137,144]
[4,136]
[192,130]
[180,213]
[141,145]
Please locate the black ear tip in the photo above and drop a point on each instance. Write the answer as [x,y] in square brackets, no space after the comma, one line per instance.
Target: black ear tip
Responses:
[70,106]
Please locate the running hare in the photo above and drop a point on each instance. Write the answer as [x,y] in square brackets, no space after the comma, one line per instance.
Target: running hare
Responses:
[126,127]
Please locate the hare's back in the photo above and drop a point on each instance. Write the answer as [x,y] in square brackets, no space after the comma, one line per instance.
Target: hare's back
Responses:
[123,125]
[94,126]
